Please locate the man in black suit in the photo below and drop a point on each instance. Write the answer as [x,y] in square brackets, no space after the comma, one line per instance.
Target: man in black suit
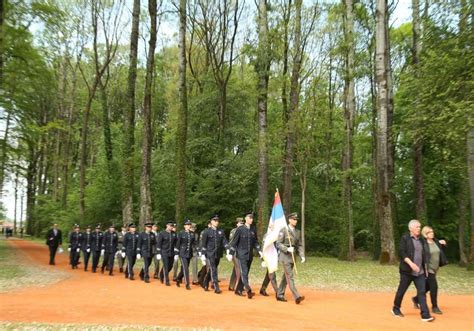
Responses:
[54,238]
[165,245]
[184,249]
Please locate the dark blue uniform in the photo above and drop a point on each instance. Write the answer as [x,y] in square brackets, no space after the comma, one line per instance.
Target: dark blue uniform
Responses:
[86,247]
[165,246]
[146,241]
[184,248]
[54,238]
[213,243]
[130,245]
[75,240]
[109,244]
[96,247]
[243,243]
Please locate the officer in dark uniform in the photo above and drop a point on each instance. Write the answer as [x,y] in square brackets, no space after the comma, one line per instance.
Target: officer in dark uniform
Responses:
[110,244]
[75,241]
[235,276]
[165,251]
[156,262]
[243,243]
[289,238]
[54,239]
[130,245]
[120,257]
[184,248]
[96,247]
[205,267]
[86,246]
[213,244]
[146,241]
[194,259]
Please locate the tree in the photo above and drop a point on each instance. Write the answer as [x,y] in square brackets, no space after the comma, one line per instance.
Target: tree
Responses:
[181,132]
[382,79]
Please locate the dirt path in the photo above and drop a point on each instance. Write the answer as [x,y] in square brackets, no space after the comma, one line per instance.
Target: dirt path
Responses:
[101,299]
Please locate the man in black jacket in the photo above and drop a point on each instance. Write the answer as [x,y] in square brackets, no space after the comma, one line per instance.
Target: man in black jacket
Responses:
[165,245]
[413,259]
[86,246]
[146,242]
[54,238]
[96,247]
[75,242]
[109,244]
[130,245]
[184,249]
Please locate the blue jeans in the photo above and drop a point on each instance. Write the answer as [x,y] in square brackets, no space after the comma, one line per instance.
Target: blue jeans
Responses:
[420,284]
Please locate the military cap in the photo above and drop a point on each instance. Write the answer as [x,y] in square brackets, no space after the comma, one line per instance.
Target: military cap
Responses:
[149,224]
[293,216]
[249,213]
[76,226]
[169,223]
[98,226]
[215,217]
[132,225]
[88,227]
[187,222]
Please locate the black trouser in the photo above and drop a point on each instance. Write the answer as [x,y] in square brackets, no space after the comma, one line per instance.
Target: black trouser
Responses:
[235,276]
[202,275]
[52,253]
[194,268]
[420,284]
[212,275]
[131,259]
[269,278]
[86,258]
[95,260]
[288,278]
[167,266]
[120,260]
[74,256]
[432,287]
[244,275]
[145,271]
[175,269]
[184,270]
[109,258]
[156,268]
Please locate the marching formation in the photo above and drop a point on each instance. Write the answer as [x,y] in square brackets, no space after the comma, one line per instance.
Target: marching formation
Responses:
[182,250]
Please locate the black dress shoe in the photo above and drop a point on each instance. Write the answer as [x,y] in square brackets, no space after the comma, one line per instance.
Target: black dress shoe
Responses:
[264,293]
[132,278]
[178,283]
[206,288]
[188,287]
[239,293]
[299,299]
[281,299]
[231,289]
[121,269]
[250,294]
[147,280]
[168,284]
[217,291]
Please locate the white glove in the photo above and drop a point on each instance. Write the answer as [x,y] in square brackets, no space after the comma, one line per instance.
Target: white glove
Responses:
[102,252]
[176,257]
[123,255]
[229,257]
[60,250]
[203,260]
[264,264]
[261,254]
[139,256]
[199,254]
[303,259]
[88,250]
[290,249]
[158,256]
[227,251]
[78,250]
[69,249]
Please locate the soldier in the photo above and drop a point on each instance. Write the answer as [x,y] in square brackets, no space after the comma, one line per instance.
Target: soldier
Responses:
[110,244]
[213,244]
[75,240]
[54,238]
[96,247]
[86,246]
[288,239]
[130,245]
[156,262]
[146,241]
[120,257]
[205,267]
[184,248]
[235,276]
[243,243]
[194,259]
[165,248]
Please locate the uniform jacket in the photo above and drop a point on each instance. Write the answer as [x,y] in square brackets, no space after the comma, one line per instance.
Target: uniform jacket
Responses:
[86,240]
[130,243]
[185,244]
[110,242]
[75,240]
[97,238]
[120,239]
[244,242]
[166,243]
[54,240]
[146,241]
[213,242]
[283,242]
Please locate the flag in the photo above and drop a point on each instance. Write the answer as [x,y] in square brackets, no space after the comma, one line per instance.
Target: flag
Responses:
[276,223]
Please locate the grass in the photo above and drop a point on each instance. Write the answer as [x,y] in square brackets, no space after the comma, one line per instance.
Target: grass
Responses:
[10,326]
[16,271]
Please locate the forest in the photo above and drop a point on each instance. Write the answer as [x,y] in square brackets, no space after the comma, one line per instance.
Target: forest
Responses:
[120,111]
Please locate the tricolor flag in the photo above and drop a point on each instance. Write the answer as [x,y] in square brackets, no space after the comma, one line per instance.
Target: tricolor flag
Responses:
[276,223]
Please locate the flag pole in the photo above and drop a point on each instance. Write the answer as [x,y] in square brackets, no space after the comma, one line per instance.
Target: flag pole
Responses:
[289,240]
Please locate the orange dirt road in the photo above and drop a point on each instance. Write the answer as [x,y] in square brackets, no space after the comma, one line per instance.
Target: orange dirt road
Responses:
[100,299]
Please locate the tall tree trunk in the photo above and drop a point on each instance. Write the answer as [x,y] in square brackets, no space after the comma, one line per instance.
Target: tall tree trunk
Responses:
[145,190]
[292,110]
[303,183]
[106,124]
[462,224]
[284,93]
[15,207]
[31,188]
[420,203]
[347,247]
[383,94]
[181,132]
[263,67]
[129,147]
[3,5]
[4,151]
[470,162]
